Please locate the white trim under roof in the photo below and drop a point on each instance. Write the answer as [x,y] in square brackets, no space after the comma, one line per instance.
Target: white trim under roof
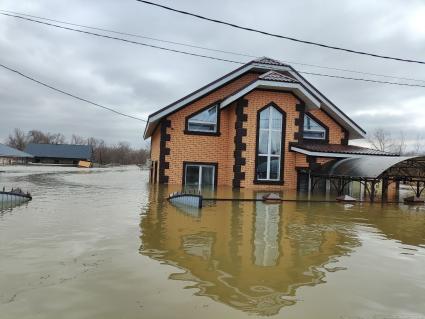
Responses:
[325,103]
[330,106]
[338,155]
[266,84]
[200,93]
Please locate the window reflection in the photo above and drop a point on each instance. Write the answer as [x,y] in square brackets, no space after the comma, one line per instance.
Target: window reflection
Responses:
[266,246]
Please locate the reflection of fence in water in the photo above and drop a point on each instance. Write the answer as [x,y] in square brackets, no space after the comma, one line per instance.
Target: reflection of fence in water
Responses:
[9,199]
[185,199]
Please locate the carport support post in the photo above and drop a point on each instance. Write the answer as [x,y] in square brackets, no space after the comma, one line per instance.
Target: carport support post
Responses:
[310,185]
[372,191]
[328,188]
[365,190]
[362,190]
[418,189]
[385,189]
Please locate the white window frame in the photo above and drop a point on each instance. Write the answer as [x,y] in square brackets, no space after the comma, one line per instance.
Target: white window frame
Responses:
[269,145]
[215,123]
[322,130]
[199,174]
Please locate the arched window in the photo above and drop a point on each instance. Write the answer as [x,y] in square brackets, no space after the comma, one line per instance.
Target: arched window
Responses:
[269,145]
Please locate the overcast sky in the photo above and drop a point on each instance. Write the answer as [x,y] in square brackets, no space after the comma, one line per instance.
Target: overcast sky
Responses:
[138,80]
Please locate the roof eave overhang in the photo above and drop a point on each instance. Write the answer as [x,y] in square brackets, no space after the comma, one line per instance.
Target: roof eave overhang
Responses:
[16,156]
[355,132]
[153,119]
[297,88]
[334,155]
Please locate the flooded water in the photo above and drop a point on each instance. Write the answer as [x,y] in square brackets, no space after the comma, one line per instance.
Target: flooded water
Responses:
[102,243]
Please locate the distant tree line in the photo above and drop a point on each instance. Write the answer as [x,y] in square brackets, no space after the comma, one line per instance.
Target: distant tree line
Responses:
[121,153]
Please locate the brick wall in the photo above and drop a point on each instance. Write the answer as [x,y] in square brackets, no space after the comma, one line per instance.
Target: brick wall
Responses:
[336,134]
[287,102]
[198,148]
[220,149]
[155,145]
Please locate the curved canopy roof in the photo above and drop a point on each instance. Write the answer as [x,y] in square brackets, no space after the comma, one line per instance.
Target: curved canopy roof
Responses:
[375,167]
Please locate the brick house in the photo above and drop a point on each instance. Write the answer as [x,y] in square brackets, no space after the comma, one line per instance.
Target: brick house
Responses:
[262,126]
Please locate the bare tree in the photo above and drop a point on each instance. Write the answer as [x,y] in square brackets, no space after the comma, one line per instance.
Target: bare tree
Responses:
[418,145]
[56,138]
[399,144]
[38,137]
[78,140]
[380,140]
[18,139]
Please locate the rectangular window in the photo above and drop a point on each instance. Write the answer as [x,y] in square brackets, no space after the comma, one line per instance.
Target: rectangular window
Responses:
[206,121]
[313,130]
[199,176]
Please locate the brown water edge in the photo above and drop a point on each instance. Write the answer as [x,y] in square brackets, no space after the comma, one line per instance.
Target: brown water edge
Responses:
[105,244]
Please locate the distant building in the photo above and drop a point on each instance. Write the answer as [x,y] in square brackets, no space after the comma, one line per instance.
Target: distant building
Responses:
[64,154]
[10,156]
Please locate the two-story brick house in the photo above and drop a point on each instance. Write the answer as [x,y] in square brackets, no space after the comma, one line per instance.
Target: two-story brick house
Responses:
[262,125]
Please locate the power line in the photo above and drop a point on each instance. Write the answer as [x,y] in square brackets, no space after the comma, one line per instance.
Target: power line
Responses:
[360,79]
[280,36]
[210,49]
[200,55]
[130,34]
[357,72]
[70,94]
[120,39]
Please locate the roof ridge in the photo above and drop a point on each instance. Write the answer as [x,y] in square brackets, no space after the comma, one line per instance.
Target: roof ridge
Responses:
[59,144]
[273,75]
[269,61]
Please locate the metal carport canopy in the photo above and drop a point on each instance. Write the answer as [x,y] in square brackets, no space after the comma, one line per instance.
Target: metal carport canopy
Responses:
[375,167]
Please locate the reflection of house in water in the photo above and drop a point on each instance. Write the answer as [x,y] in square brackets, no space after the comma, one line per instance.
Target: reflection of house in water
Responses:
[249,255]
[266,245]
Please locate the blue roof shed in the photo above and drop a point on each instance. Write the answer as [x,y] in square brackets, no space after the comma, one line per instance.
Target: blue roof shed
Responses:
[57,151]
[7,151]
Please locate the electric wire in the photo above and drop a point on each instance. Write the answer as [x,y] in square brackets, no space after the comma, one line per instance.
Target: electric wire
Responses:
[211,49]
[327,46]
[200,55]
[70,94]
[120,39]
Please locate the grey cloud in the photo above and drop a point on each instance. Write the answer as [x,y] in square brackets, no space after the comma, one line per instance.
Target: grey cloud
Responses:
[139,80]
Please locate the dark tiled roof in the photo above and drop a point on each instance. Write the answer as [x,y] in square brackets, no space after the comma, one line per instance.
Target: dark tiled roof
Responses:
[341,149]
[60,151]
[276,76]
[260,64]
[7,151]
[269,61]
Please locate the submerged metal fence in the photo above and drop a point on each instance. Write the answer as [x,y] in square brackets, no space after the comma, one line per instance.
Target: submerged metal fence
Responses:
[185,199]
[12,198]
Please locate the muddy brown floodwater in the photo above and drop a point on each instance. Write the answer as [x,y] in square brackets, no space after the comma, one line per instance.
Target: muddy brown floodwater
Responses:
[102,243]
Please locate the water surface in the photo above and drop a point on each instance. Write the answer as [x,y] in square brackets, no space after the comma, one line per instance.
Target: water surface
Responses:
[102,243]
